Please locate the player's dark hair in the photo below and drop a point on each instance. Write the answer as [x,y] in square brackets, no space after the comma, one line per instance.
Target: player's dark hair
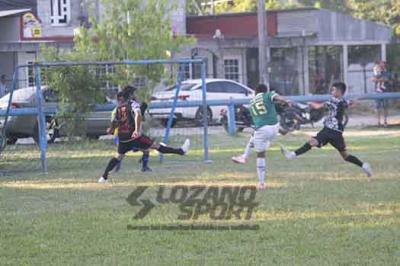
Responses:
[143,108]
[127,91]
[261,88]
[341,86]
[120,94]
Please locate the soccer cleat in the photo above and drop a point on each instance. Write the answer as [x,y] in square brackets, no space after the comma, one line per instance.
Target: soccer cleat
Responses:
[367,169]
[288,154]
[146,169]
[261,186]
[185,146]
[103,180]
[239,159]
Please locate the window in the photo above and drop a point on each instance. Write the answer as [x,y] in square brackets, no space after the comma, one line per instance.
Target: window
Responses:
[31,75]
[184,87]
[186,71]
[234,88]
[232,69]
[60,12]
[215,87]
[191,71]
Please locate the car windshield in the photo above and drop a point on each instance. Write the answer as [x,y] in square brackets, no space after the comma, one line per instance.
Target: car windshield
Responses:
[20,95]
[184,87]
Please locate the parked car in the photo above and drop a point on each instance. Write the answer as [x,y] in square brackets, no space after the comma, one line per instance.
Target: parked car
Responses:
[191,90]
[95,123]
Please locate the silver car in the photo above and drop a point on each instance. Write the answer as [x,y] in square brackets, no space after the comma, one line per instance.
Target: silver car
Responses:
[95,123]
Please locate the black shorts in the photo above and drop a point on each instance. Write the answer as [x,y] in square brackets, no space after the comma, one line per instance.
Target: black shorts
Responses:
[382,104]
[142,142]
[333,137]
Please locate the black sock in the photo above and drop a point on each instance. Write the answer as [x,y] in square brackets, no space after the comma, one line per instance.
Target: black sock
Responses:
[111,164]
[166,149]
[305,148]
[353,159]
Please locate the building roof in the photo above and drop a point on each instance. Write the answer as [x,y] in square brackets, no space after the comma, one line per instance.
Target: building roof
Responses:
[319,26]
[240,14]
[18,4]
[13,12]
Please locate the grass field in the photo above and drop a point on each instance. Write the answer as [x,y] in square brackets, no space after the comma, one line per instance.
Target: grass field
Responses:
[316,210]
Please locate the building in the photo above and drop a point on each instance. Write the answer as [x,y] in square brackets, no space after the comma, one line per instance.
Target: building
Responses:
[25,25]
[308,49]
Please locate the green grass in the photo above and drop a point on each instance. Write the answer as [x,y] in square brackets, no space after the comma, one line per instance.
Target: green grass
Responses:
[317,210]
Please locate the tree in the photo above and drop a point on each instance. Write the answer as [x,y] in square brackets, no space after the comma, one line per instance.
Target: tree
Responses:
[195,7]
[383,11]
[333,5]
[127,30]
[251,6]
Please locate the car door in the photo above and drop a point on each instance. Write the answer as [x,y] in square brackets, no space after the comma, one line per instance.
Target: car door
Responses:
[216,91]
[237,91]
[97,122]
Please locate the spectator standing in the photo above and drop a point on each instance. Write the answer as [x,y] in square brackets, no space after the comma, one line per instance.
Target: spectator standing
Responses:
[382,79]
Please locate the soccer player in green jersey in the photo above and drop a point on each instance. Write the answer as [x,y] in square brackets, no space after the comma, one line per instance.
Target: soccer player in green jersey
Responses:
[265,119]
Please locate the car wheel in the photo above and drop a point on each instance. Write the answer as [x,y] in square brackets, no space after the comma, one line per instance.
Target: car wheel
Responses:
[11,140]
[199,116]
[51,130]
[164,122]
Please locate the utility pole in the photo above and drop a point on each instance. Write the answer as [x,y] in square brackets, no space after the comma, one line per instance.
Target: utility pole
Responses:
[262,43]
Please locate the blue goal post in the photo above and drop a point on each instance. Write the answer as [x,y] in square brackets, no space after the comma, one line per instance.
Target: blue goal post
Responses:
[41,114]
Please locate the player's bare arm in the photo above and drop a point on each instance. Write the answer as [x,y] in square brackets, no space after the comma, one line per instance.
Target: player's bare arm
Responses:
[138,123]
[316,105]
[279,98]
[111,128]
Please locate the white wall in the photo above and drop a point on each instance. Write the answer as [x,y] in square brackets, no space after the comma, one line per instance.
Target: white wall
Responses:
[48,30]
[10,29]
[356,81]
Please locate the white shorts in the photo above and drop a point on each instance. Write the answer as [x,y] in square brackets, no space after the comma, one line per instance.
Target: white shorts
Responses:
[264,135]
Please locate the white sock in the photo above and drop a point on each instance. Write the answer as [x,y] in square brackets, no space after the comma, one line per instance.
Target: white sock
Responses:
[261,169]
[249,146]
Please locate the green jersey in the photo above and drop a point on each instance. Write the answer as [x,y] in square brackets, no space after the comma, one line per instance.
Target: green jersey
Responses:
[262,110]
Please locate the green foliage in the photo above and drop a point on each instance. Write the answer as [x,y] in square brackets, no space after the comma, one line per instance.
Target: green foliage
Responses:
[386,12]
[251,6]
[383,11]
[393,55]
[126,30]
[334,5]
[396,30]
[195,7]
[78,87]
[131,30]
